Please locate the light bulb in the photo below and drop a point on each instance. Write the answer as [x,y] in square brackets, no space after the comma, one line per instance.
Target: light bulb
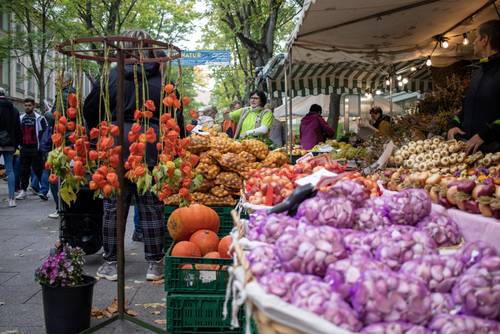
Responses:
[466,40]
[428,62]
[400,84]
[399,77]
[387,82]
[405,81]
[378,92]
[413,69]
[445,44]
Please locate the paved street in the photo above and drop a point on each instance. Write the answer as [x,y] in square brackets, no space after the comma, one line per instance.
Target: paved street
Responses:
[26,235]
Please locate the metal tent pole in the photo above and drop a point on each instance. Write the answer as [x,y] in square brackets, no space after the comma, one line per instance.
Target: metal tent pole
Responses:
[120,209]
[290,123]
[288,136]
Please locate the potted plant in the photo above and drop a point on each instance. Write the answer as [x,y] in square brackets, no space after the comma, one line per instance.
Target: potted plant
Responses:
[66,291]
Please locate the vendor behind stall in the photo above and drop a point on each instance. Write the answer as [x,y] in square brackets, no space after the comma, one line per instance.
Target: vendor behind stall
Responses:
[479,119]
[314,129]
[255,120]
[381,122]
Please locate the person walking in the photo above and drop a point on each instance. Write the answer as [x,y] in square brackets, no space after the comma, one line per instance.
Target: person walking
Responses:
[10,138]
[314,129]
[149,207]
[479,120]
[32,126]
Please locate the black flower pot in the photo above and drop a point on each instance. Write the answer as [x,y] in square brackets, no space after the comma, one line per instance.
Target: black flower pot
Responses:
[67,309]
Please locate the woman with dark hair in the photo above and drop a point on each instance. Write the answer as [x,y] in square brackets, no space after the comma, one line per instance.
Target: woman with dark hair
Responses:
[254,120]
[381,122]
[314,129]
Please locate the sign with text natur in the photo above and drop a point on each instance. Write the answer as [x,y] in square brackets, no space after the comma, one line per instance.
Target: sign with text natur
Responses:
[206,57]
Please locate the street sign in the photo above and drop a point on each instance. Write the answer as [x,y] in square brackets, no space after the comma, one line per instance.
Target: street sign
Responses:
[205,57]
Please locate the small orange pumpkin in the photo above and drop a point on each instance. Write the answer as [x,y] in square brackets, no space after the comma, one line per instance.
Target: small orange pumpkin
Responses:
[207,240]
[224,245]
[186,249]
[210,255]
[183,222]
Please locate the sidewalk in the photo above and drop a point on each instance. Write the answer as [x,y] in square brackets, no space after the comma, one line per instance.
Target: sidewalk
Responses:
[26,235]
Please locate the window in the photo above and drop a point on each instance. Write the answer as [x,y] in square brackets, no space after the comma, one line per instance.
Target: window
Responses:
[4,21]
[19,78]
[31,85]
[50,88]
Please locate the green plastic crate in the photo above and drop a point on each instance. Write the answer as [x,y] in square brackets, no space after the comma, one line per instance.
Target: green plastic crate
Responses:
[198,313]
[193,280]
[224,212]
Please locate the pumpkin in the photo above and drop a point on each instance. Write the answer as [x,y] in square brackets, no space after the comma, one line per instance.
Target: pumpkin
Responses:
[210,255]
[207,240]
[224,245]
[185,221]
[186,249]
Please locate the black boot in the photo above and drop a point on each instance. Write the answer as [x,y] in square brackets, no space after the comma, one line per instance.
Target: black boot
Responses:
[138,236]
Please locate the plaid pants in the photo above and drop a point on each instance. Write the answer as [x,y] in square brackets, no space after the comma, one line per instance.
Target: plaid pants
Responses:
[150,218]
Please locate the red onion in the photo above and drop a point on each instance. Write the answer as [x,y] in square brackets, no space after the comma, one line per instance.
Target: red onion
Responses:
[438,272]
[473,252]
[342,274]
[311,250]
[263,260]
[380,296]
[394,327]
[369,218]
[269,227]
[324,210]
[462,324]
[478,289]
[401,245]
[355,192]
[317,297]
[407,207]
[441,228]
[283,284]
[442,303]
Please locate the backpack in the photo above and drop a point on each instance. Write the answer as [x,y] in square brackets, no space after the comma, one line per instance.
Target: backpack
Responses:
[46,139]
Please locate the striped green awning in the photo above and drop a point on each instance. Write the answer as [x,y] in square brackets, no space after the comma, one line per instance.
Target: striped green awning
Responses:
[344,77]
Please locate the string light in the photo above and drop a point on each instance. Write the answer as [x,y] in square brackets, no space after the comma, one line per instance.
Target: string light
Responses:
[429,61]
[387,82]
[405,81]
[445,44]
[378,92]
[399,77]
[466,40]
[400,84]
[413,69]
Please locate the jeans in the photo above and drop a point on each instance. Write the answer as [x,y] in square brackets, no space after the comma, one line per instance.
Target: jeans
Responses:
[54,190]
[17,171]
[9,169]
[40,186]
[137,224]
[28,162]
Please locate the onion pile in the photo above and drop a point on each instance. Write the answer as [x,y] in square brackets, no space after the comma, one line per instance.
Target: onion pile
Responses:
[473,252]
[283,284]
[325,210]
[380,296]
[438,272]
[317,297]
[269,227]
[310,251]
[263,260]
[394,327]
[342,274]
[401,245]
[442,303]
[453,324]
[441,228]
[478,289]
[407,207]
[369,218]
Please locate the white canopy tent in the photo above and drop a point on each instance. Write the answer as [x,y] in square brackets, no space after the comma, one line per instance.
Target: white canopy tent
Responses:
[383,32]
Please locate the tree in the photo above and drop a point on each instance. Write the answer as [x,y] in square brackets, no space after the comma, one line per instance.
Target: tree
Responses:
[33,38]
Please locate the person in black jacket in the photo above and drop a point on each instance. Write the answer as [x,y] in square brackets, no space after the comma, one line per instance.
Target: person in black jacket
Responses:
[10,139]
[479,120]
[149,207]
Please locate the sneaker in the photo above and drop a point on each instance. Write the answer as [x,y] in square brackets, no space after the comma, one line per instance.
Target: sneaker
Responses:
[21,195]
[43,197]
[139,237]
[54,215]
[155,270]
[12,202]
[33,191]
[108,271]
